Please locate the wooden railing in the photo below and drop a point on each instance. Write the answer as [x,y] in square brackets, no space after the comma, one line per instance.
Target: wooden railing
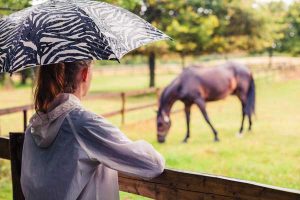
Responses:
[122,111]
[17,109]
[171,184]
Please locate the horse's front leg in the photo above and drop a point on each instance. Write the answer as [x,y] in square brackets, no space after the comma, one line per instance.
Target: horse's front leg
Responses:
[201,104]
[187,110]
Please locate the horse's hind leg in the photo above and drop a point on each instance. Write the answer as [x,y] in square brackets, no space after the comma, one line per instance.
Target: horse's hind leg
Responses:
[201,104]
[242,98]
[242,125]
[187,110]
[250,122]
[243,118]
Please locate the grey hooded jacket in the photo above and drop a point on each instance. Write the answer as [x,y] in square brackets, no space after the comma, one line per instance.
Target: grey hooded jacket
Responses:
[71,153]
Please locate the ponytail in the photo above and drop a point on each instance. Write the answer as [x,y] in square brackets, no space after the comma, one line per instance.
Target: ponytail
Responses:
[54,79]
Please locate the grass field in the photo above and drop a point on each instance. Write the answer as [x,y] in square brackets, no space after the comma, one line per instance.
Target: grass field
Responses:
[269,154]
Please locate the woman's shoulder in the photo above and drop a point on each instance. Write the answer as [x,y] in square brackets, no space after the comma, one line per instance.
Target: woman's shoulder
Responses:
[88,121]
[82,115]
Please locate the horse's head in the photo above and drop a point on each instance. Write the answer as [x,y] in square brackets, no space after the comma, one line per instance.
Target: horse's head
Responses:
[163,126]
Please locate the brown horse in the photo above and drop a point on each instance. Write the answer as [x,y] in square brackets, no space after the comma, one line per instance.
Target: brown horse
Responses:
[198,85]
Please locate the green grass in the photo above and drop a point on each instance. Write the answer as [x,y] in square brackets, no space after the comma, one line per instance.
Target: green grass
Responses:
[5,182]
[269,154]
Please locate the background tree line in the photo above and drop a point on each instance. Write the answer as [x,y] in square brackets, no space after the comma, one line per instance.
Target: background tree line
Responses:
[209,26]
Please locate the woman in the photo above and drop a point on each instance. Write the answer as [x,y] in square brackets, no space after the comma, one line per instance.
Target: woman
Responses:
[71,153]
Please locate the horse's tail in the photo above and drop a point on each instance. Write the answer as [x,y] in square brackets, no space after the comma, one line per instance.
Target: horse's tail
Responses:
[250,103]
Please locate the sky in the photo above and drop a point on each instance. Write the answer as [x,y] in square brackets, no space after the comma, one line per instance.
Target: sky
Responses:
[35,2]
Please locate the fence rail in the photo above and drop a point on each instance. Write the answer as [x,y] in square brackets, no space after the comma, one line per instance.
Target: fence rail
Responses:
[119,94]
[7,111]
[171,184]
[122,111]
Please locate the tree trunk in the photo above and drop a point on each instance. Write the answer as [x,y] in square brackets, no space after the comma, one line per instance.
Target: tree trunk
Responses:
[23,77]
[270,57]
[2,77]
[25,74]
[152,68]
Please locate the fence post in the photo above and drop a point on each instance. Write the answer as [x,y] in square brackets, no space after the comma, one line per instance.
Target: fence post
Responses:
[123,96]
[157,91]
[25,119]
[16,145]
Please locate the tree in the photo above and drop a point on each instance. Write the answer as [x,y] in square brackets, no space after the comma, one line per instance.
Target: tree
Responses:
[150,13]
[9,6]
[183,21]
[192,27]
[291,41]
[245,25]
[6,8]
[275,13]
[156,13]
[220,26]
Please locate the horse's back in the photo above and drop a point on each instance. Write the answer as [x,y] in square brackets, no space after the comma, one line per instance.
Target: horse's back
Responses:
[210,83]
[219,73]
[213,83]
[240,69]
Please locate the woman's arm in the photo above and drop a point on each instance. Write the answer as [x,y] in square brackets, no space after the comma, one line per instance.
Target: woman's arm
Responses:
[107,144]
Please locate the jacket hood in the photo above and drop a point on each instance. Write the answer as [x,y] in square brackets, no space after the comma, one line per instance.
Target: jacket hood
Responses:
[44,127]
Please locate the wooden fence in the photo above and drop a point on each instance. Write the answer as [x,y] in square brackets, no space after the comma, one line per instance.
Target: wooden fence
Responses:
[258,69]
[270,72]
[122,95]
[171,184]
[259,64]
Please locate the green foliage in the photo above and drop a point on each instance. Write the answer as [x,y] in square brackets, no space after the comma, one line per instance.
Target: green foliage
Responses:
[191,28]
[128,4]
[244,25]
[291,40]
[199,27]
[218,26]
[9,6]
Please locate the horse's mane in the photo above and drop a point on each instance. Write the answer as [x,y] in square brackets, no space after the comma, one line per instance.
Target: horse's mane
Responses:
[166,93]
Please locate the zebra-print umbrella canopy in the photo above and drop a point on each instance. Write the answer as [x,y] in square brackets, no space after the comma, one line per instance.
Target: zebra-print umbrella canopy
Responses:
[68,31]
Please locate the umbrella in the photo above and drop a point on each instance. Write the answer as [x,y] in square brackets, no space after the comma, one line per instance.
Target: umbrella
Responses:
[70,30]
